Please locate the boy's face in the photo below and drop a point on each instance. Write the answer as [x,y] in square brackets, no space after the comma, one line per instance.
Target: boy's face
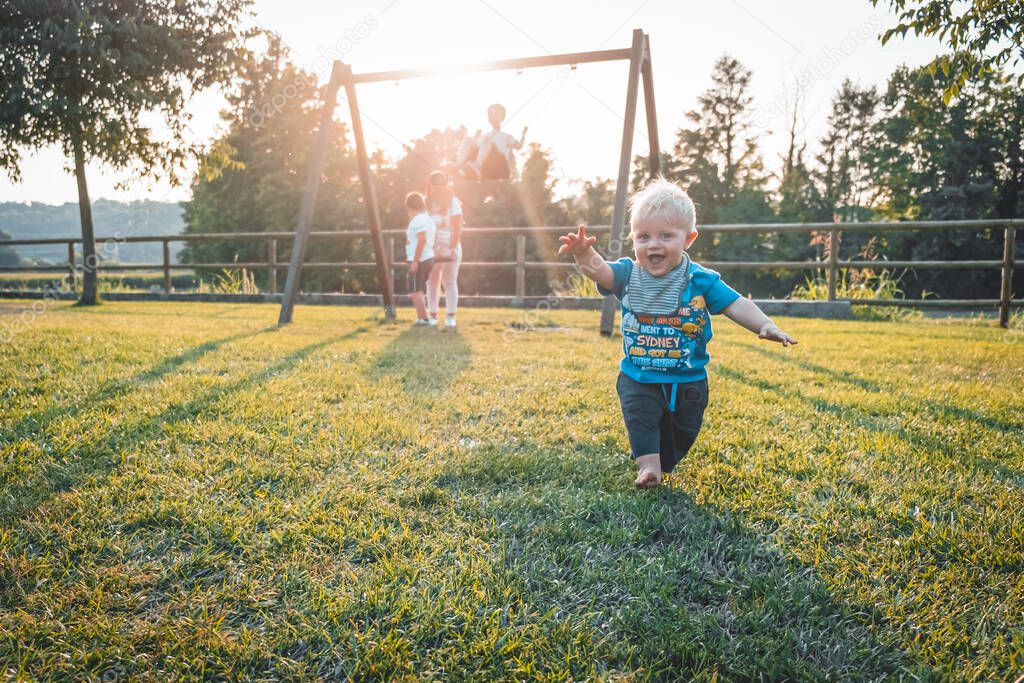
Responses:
[659,244]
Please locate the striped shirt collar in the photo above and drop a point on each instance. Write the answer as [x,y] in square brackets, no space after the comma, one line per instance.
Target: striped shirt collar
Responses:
[653,295]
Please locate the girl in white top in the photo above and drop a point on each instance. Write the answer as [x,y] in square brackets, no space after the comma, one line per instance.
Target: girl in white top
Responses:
[444,207]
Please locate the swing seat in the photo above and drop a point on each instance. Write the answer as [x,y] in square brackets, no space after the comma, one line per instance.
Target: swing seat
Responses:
[477,183]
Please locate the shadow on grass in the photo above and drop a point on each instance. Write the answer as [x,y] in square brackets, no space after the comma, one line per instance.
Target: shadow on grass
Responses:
[100,458]
[424,359]
[115,388]
[858,419]
[669,589]
[228,311]
[15,308]
[945,410]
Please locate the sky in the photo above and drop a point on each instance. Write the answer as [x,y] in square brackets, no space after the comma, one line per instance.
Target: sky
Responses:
[799,51]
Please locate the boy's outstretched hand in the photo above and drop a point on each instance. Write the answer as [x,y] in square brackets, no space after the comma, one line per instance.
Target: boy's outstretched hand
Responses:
[576,243]
[771,332]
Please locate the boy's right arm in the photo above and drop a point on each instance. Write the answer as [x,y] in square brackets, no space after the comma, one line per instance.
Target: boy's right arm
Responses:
[590,262]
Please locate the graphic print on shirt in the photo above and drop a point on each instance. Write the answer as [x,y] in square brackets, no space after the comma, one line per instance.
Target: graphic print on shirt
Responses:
[666,342]
[443,235]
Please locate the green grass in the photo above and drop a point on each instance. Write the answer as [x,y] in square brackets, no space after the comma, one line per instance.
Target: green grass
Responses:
[188,492]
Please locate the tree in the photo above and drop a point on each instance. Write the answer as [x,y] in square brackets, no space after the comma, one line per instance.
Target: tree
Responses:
[844,172]
[717,156]
[984,37]
[843,182]
[799,200]
[962,161]
[253,177]
[594,206]
[717,162]
[81,75]
[933,162]
[538,190]
[1008,134]
[641,174]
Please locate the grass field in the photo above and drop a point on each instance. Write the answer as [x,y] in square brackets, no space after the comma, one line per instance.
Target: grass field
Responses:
[187,491]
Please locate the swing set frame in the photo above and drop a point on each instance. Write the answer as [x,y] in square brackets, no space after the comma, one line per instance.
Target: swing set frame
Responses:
[639,57]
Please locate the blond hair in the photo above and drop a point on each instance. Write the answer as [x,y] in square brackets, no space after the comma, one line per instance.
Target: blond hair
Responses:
[664,199]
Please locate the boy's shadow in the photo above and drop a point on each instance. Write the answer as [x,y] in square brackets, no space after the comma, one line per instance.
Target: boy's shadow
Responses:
[424,359]
[685,586]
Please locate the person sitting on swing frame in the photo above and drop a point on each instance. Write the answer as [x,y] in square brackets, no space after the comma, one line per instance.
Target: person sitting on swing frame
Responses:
[489,156]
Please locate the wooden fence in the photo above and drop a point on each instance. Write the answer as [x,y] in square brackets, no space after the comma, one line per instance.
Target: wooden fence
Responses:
[394,239]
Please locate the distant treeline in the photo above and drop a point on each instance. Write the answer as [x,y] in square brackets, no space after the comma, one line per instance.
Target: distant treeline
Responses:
[111,218]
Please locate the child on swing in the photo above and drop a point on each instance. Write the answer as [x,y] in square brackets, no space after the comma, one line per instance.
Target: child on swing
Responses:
[489,156]
[667,301]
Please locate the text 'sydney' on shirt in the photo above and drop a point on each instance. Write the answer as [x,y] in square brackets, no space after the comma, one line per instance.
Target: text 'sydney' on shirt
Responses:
[670,344]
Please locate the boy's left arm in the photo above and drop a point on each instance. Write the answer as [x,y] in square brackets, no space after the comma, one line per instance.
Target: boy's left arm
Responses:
[746,313]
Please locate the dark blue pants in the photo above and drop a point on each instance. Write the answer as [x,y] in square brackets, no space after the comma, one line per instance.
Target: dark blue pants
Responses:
[653,426]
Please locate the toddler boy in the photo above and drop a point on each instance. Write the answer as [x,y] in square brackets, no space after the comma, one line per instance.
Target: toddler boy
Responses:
[667,301]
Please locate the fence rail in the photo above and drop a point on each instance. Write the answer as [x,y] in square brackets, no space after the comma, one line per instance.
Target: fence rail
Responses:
[832,265]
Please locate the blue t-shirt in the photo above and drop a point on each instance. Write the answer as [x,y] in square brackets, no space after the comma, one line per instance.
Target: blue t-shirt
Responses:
[665,349]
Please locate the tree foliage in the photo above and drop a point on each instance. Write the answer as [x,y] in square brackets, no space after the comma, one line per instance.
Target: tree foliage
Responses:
[9,255]
[253,177]
[984,36]
[956,162]
[844,163]
[716,156]
[93,77]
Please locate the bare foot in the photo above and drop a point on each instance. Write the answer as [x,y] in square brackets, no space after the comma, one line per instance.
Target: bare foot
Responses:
[648,471]
[647,480]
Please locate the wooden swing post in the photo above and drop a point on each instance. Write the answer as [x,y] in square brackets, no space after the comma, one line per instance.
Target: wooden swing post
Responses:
[639,63]
[384,279]
[316,165]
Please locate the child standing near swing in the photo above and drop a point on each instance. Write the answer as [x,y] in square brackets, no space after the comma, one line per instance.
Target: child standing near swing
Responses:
[667,301]
[446,211]
[419,252]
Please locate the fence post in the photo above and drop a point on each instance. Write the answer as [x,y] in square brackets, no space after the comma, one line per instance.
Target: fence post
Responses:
[167,266]
[833,261]
[1006,288]
[520,270]
[71,266]
[272,265]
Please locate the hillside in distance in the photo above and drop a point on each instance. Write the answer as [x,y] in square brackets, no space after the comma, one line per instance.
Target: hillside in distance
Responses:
[110,219]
